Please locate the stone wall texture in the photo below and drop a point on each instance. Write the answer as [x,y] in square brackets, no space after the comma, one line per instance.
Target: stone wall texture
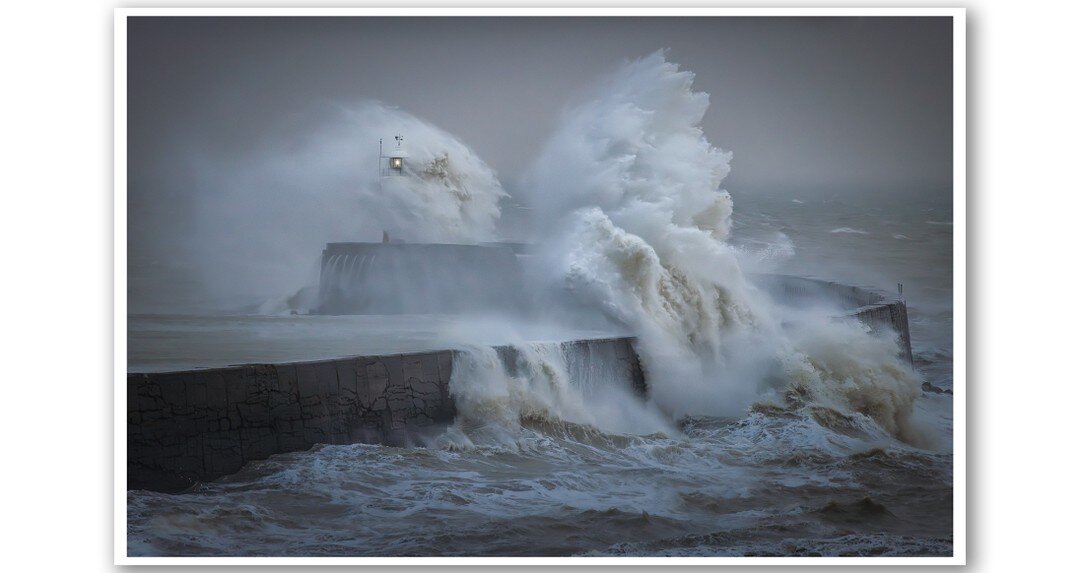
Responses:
[197,425]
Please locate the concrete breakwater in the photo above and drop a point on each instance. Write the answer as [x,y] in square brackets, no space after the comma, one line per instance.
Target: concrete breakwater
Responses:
[878,309]
[197,425]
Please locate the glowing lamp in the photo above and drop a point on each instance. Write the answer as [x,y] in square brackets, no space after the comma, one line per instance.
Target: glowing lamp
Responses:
[397,163]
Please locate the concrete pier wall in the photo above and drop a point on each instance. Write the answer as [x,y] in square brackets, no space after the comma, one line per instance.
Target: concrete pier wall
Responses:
[198,425]
[875,308]
[889,315]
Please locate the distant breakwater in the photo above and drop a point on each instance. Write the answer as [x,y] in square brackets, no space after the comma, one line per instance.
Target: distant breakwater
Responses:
[880,310]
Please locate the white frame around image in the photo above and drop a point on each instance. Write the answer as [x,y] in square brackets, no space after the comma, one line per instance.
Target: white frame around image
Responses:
[120,533]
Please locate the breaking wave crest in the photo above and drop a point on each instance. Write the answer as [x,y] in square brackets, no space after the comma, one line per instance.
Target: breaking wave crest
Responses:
[630,187]
[842,367]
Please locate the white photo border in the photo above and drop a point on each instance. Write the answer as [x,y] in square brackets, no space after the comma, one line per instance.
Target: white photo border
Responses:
[120,536]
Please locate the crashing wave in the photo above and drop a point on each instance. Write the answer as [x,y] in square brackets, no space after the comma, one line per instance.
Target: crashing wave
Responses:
[630,186]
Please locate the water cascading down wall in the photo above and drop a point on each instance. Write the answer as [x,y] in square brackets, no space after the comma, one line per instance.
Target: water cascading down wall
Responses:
[411,278]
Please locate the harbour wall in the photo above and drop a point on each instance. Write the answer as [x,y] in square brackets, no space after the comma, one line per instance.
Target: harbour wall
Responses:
[197,425]
[880,310]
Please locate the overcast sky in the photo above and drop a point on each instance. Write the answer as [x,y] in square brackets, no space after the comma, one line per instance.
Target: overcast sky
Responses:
[802,102]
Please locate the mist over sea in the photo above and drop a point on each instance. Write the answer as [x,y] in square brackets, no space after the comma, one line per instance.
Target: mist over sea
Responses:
[765,432]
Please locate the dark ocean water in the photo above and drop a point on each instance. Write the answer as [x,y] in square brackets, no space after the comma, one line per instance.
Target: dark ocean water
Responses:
[770,481]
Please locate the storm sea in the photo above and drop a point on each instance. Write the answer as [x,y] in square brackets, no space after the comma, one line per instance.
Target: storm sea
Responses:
[545,479]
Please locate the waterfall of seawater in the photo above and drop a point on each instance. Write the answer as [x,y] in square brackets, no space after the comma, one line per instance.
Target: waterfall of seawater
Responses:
[500,391]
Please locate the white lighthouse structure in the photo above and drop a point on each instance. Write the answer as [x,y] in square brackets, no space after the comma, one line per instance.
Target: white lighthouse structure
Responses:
[392,163]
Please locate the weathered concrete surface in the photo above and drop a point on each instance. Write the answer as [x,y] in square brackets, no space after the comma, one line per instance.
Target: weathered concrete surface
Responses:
[875,308]
[197,425]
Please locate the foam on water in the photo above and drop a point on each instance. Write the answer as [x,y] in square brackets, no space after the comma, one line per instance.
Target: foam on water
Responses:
[768,480]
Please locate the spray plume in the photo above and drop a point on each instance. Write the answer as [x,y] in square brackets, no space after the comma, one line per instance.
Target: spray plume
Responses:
[262,221]
[630,187]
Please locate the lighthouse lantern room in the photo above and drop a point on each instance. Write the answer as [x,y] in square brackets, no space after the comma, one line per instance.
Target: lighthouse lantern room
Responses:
[393,163]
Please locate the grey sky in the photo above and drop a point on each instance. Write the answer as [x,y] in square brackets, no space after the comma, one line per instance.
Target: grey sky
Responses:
[802,102]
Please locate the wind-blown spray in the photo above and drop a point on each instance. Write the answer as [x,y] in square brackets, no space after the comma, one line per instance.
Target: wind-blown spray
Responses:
[262,222]
[630,187]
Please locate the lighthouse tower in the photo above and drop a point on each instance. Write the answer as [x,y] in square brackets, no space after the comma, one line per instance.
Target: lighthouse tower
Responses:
[392,162]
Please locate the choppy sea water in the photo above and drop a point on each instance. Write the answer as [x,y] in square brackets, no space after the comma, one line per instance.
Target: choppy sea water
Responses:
[768,482]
